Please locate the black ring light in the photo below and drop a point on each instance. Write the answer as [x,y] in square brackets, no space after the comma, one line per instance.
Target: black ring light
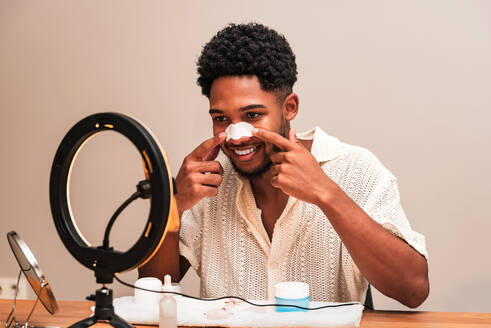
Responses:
[105,261]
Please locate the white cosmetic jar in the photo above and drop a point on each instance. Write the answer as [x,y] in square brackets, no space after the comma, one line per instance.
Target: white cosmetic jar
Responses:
[146,297]
[291,293]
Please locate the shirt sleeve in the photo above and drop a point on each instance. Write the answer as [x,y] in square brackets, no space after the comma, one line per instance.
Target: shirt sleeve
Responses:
[383,205]
[190,235]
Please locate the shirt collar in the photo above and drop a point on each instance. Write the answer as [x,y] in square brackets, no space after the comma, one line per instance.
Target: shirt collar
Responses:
[324,147]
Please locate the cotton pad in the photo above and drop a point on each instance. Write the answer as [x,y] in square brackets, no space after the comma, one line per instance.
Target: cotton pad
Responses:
[239,130]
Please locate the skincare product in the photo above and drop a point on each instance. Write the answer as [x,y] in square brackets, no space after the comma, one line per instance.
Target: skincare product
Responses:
[146,297]
[239,130]
[167,306]
[291,293]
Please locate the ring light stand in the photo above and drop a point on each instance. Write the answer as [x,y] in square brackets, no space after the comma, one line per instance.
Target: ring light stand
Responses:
[103,260]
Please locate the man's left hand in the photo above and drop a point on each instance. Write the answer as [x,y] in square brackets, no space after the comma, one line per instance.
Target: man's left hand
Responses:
[295,171]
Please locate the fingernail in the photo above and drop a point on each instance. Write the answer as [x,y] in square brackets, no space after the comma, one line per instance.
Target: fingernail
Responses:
[221,135]
[255,130]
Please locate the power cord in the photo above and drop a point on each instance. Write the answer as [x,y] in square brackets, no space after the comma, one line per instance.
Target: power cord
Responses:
[239,298]
[144,191]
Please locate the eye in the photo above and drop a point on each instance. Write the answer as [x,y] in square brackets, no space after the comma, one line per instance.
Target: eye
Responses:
[220,119]
[253,115]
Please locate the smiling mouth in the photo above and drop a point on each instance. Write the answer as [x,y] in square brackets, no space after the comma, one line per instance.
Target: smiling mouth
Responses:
[242,152]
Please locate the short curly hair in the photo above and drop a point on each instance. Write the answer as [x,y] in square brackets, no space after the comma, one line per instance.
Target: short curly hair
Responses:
[249,49]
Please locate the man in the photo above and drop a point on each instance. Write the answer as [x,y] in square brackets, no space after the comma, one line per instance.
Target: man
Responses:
[280,206]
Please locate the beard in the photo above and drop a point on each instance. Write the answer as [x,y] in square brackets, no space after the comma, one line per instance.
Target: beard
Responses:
[259,172]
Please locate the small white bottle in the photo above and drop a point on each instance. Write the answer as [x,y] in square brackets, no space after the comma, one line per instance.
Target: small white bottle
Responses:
[167,306]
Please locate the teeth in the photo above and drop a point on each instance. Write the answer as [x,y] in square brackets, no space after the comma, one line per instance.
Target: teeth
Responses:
[245,151]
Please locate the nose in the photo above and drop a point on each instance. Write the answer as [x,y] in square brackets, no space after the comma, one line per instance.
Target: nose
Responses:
[238,131]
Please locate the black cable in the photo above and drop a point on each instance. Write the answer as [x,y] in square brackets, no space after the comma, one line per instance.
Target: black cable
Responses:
[143,190]
[105,242]
[239,298]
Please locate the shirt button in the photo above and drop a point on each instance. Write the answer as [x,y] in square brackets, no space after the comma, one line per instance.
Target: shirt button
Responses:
[273,265]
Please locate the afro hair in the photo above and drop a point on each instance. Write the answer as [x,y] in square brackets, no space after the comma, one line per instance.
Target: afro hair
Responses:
[249,49]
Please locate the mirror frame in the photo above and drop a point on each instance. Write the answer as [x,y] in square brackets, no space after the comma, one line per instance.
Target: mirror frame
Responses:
[33,274]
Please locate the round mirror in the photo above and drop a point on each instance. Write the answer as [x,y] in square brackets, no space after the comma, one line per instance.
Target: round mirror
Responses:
[103,175]
[34,276]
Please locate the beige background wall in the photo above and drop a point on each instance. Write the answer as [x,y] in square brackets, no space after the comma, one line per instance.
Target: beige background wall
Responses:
[410,80]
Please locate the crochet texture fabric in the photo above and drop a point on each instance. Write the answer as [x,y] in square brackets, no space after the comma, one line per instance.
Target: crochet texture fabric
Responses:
[225,241]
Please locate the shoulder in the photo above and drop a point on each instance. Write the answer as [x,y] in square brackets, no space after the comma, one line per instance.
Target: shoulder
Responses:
[358,157]
[359,173]
[354,168]
[329,151]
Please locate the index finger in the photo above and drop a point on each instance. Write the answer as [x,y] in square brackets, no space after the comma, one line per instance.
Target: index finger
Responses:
[208,147]
[274,138]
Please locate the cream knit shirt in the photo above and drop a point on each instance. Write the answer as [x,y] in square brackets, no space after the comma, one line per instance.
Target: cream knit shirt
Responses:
[224,239]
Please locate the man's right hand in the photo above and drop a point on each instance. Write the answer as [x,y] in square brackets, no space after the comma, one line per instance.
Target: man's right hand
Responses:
[200,175]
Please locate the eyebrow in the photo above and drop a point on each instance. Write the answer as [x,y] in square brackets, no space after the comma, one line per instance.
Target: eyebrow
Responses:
[241,109]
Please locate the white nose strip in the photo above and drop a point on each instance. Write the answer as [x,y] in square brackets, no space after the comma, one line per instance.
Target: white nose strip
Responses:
[239,130]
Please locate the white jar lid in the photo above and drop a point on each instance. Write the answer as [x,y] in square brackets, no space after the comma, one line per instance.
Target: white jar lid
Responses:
[291,289]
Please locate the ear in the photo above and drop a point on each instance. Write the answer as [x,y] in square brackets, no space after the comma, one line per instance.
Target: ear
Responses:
[290,106]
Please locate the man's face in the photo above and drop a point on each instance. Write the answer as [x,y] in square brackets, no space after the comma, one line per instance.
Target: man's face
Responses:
[239,98]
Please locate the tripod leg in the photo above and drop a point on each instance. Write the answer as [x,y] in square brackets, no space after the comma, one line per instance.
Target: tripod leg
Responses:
[84,323]
[118,322]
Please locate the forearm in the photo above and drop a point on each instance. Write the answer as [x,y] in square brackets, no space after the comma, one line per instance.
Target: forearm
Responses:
[389,263]
[165,261]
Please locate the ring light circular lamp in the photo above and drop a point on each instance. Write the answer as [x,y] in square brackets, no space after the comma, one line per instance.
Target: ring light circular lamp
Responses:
[29,266]
[104,260]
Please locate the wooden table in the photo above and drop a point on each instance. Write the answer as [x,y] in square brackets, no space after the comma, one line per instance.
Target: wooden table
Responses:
[71,312]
